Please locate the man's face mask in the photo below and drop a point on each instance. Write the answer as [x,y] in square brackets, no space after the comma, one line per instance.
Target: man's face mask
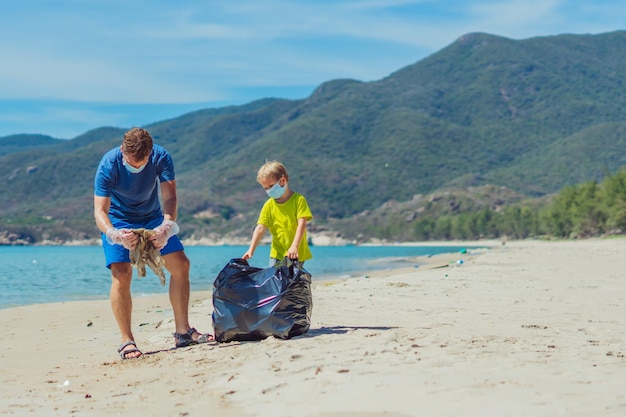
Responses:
[132,169]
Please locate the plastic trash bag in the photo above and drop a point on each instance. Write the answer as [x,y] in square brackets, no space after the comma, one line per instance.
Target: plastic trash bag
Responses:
[252,303]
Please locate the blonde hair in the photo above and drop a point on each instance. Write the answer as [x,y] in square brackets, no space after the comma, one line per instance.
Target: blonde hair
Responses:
[137,143]
[272,170]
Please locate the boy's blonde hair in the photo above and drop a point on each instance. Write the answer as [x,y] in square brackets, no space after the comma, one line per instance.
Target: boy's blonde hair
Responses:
[272,170]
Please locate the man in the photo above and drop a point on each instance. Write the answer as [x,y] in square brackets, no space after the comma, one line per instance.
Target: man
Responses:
[126,197]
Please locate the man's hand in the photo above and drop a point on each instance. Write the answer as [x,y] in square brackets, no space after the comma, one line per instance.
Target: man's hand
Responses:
[163,233]
[124,237]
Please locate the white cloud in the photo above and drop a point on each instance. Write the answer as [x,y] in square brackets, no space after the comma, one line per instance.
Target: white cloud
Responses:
[521,19]
[206,51]
[71,77]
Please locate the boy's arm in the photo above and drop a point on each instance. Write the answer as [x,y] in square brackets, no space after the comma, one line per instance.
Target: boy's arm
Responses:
[292,253]
[258,233]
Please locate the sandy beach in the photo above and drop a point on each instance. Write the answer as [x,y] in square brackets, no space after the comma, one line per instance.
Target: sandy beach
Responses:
[529,328]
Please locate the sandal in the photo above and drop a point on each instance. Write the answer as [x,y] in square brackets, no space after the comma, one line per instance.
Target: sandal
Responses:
[123,352]
[186,339]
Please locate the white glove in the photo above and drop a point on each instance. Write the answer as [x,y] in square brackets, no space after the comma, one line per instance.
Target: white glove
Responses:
[164,232]
[122,237]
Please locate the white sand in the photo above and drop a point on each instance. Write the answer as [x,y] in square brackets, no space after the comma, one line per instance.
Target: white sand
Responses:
[527,329]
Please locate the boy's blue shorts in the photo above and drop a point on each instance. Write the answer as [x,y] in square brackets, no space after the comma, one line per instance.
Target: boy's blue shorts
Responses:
[118,253]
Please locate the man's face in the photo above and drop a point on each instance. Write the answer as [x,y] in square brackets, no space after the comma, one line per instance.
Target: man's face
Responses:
[135,163]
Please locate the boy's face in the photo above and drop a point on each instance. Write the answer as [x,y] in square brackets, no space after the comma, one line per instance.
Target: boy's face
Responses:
[268,183]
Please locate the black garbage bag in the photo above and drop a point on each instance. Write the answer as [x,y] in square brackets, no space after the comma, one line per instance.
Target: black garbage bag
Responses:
[252,303]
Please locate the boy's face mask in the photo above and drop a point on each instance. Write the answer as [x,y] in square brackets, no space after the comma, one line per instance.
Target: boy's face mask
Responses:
[276,191]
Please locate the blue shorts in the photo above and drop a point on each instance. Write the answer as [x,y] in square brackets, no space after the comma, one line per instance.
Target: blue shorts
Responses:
[118,253]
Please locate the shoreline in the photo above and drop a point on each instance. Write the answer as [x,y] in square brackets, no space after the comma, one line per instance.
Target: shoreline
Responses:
[317,241]
[405,264]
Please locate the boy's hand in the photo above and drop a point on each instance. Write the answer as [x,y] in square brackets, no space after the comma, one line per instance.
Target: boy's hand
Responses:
[247,255]
[292,253]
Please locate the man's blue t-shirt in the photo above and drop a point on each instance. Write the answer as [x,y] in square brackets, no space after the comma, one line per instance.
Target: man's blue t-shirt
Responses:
[134,197]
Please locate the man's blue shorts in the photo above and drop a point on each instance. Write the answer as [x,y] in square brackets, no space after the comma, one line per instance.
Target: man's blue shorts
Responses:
[118,253]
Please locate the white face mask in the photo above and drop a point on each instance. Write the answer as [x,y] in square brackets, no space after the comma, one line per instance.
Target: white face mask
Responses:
[132,169]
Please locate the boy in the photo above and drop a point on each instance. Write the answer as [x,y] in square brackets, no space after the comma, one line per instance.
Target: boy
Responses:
[285,214]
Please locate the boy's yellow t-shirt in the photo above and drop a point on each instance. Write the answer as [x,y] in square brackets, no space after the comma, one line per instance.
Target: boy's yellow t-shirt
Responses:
[282,222]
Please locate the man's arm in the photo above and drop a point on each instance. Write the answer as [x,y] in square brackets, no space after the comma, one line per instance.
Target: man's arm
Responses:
[170,200]
[122,237]
[170,211]
[101,207]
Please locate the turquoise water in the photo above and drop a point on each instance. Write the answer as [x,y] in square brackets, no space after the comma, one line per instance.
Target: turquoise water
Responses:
[44,274]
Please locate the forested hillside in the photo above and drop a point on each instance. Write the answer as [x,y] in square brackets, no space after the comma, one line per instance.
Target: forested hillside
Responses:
[532,116]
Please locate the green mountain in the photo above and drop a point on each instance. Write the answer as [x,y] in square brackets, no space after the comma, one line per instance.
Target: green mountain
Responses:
[17,143]
[531,115]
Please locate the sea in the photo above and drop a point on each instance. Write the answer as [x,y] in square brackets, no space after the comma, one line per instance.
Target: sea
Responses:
[48,274]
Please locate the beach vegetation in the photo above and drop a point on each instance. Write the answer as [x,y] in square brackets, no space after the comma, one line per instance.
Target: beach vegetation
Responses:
[589,209]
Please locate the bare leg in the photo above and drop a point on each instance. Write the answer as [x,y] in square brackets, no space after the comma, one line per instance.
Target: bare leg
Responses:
[178,265]
[122,302]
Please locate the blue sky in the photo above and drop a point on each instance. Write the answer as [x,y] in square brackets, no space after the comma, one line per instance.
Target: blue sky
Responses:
[68,66]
